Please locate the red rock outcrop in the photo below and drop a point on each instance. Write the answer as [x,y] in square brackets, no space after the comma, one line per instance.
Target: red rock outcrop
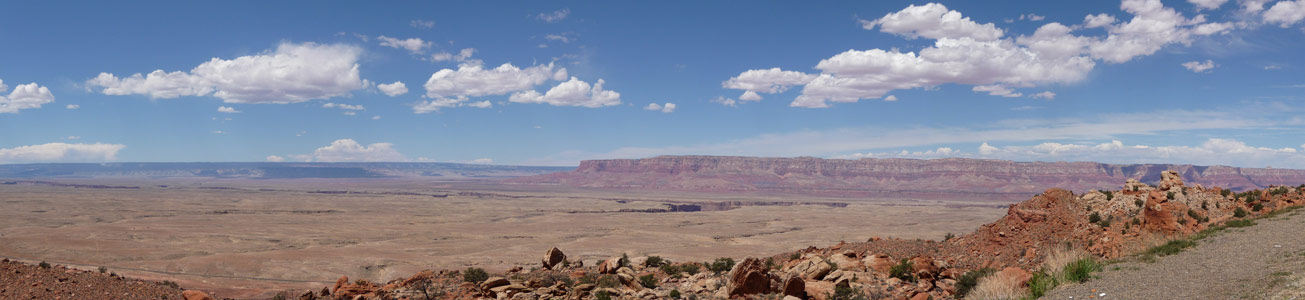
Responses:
[749,277]
[553,257]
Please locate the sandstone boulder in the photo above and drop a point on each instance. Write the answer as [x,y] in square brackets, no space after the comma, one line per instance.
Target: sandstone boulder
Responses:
[494,282]
[609,266]
[812,268]
[1017,275]
[846,261]
[553,257]
[749,277]
[1170,179]
[879,263]
[1162,215]
[794,286]
[339,282]
[925,267]
[196,295]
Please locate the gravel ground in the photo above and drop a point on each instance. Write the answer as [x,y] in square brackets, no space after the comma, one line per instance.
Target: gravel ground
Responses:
[1265,261]
[25,281]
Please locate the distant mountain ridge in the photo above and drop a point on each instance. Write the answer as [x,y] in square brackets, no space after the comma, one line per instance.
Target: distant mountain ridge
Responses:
[946,178]
[269,170]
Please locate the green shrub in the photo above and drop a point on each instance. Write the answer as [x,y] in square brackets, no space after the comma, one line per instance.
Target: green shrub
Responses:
[1081,270]
[1134,189]
[846,292]
[675,294]
[654,261]
[902,271]
[1225,192]
[1170,248]
[969,280]
[602,295]
[1239,213]
[691,269]
[103,269]
[1040,284]
[1239,223]
[1169,195]
[1138,202]
[1105,224]
[948,236]
[279,296]
[625,260]
[1182,221]
[1109,195]
[670,270]
[648,281]
[1193,214]
[474,275]
[1137,221]
[608,281]
[44,265]
[721,265]
[1095,217]
[794,256]
[1258,207]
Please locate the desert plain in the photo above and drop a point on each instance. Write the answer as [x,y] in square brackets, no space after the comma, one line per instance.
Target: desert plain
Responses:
[250,237]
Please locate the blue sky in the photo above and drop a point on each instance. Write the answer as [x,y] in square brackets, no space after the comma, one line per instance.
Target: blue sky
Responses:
[1202,81]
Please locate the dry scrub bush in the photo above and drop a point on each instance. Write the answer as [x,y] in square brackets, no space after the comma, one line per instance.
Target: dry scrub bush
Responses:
[998,286]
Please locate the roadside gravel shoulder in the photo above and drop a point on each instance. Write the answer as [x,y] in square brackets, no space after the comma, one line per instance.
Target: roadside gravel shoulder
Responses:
[1265,261]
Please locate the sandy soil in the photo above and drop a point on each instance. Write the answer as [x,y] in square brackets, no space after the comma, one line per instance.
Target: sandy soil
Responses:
[264,235]
[1265,261]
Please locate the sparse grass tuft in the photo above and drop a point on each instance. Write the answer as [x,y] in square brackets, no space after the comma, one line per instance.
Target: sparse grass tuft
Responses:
[902,271]
[474,275]
[648,281]
[723,264]
[1239,213]
[1080,270]
[997,286]
[970,280]
[1040,284]
[1170,248]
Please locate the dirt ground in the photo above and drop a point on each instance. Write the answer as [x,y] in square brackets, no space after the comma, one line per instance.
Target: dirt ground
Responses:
[244,238]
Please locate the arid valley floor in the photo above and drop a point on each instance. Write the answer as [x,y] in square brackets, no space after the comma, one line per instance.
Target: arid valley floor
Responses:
[246,237]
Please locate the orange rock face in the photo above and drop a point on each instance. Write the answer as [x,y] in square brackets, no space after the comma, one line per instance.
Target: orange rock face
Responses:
[749,277]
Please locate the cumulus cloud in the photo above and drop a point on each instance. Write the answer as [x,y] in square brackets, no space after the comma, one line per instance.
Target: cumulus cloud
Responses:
[1285,13]
[1207,4]
[343,106]
[968,52]
[61,152]
[996,90]
[348,150]
[1213,151]
[413,45]
[454,88]
[890,98]
[1198,66]
[274,158]
[668,108]
[24,96]
[770,81]
[393,89]
[72,106]
[573,92]
[555,16]
[290,74]
[1032,17]
[750,96]
[1048,95]
[226,109]
[565,37]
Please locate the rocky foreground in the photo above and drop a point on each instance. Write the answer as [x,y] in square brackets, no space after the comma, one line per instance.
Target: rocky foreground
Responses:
[1018,248]
[1103,224]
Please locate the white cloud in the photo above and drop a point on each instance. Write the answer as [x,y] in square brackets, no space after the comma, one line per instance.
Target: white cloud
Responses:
[1044,95]
[933,21]
[483,161]
[979,54]
[724,101]
[1199,67]
[1252,6]
[1098,20]
[292,73]
[72,106]
[555,16]
[73,137]
[343,106]
[890,98]
[750,96]
[1032,17]
[226,109]
[1285,13]
[60,152]
[565,37]
[668,108]
[476,81]
[422,24]
[463,56]
[573,92]
[24,96]
[996,90]
[1272,67]
[274,158]
[393,89]
[1207,4]
[1213,151]
[768,81]
[348,150]
[376,117]
[413,45]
